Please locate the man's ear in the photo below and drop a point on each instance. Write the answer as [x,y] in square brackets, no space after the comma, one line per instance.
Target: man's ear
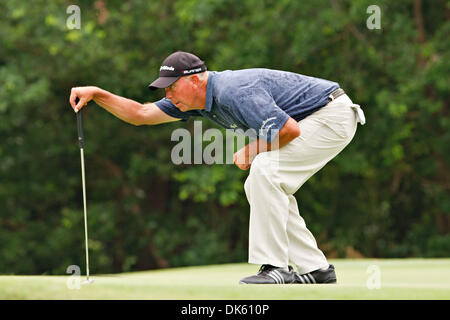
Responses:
[194,79]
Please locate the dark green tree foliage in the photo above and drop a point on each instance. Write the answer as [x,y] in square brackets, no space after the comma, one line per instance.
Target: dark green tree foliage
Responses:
[386,195]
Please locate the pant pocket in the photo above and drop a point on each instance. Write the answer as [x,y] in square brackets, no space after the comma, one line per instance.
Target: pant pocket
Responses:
[338,128]
[308,128]
[340,121]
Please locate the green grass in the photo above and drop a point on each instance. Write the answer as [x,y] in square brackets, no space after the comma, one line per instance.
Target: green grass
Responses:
[399,279]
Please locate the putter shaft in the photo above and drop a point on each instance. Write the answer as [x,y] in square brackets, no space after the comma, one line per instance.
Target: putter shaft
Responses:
[85,211]
[81,141]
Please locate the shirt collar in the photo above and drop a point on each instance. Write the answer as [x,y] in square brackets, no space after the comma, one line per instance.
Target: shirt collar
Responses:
[209,92]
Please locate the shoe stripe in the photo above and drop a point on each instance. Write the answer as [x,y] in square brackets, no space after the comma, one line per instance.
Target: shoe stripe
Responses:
[306,278]
[312,278]
[277,281]
[279,275]
[301,279]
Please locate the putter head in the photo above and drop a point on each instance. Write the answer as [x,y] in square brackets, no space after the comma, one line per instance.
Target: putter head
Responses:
[88,281]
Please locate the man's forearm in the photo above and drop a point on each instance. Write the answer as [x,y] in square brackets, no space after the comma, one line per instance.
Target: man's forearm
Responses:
[125,109]
[289,132]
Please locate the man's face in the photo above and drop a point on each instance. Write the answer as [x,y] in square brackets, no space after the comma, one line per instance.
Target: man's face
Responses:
[183,93]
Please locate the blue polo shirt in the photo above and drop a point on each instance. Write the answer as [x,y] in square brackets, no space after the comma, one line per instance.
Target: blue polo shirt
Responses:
[258,99]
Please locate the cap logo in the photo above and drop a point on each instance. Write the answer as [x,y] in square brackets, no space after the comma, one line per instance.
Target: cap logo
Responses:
[192,70]
[166,68]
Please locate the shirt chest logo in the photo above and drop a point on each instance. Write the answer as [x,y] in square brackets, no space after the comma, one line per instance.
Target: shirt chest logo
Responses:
[265,128]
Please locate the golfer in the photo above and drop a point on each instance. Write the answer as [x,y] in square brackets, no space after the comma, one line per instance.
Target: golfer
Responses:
[304,121]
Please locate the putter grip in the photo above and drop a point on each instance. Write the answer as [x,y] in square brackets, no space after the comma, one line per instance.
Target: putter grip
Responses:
[80,127]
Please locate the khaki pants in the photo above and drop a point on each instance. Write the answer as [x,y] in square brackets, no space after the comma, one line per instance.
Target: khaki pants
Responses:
[278,234]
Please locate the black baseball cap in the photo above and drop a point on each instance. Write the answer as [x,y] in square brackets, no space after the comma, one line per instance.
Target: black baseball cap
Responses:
[175,66]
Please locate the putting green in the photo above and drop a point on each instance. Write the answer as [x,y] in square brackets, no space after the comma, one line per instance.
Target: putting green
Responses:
[357,279]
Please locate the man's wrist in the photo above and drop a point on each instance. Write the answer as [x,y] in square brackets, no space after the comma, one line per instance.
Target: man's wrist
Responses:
[251,151]
[98,93]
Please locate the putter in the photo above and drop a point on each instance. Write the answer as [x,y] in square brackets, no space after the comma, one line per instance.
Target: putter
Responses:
[81,140]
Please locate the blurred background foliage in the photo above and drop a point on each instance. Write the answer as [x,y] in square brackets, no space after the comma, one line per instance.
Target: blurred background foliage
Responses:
[386,195]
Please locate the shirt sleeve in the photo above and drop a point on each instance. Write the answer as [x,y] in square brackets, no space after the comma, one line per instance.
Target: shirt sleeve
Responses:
[258,110]
[169,108]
